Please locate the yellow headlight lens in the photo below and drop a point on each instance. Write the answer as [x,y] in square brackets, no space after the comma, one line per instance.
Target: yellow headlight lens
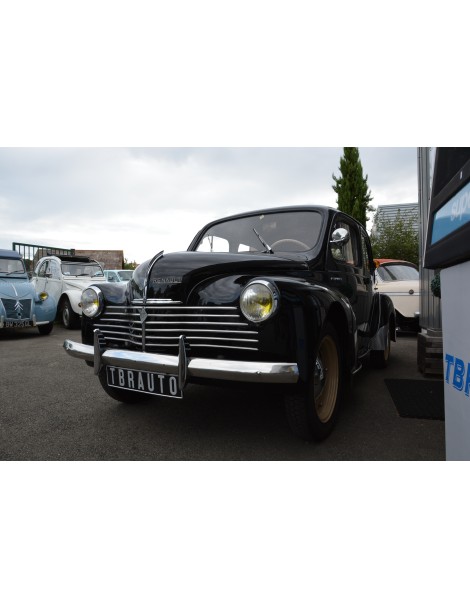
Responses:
[92,302]
[43,296]
[259,300]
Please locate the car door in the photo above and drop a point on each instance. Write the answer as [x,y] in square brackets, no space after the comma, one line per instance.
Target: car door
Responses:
[54,280]
[349,272]
[40,279]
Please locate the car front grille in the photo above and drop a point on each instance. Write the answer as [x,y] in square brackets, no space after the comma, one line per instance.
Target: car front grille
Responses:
[17,309]
[158,327]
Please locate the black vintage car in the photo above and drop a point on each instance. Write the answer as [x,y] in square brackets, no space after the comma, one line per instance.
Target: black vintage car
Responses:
[280,296]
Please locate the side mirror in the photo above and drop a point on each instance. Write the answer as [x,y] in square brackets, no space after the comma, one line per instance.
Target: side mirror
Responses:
[339,237]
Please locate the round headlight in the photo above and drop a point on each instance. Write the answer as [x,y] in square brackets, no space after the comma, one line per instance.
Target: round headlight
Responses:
[259,300]
[92,302]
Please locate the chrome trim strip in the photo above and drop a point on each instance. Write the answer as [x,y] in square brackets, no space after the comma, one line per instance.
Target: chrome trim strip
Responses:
[79,350]
[226,370]
[153,262]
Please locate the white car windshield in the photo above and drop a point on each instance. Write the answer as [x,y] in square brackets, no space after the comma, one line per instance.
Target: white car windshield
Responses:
[80,269]
[397,272]
[293,231]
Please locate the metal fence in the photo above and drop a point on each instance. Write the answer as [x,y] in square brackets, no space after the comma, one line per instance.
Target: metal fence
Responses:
[32,253]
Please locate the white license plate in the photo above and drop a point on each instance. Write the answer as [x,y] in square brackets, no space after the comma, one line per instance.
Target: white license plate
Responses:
[18,324]
[153,383]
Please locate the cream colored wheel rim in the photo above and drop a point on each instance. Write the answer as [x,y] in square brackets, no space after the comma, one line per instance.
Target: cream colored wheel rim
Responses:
[326,379]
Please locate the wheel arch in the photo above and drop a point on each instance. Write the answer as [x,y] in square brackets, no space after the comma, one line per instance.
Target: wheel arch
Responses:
[74,297]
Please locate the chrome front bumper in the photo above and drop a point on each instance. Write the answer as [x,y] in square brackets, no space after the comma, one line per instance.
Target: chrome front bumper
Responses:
[182,366]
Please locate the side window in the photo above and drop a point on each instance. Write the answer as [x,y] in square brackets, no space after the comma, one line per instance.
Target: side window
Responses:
[346,252]
[54,269]
[42,269]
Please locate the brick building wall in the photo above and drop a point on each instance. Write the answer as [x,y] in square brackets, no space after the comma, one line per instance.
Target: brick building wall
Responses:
[109,259]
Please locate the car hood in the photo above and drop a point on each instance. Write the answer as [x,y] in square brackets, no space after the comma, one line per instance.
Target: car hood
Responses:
[174,276]
[81,284]
[16,288]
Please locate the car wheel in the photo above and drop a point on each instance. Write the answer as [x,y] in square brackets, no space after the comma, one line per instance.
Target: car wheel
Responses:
[379,359]
[70,319]
[121,395]
[45,328]
[312,411]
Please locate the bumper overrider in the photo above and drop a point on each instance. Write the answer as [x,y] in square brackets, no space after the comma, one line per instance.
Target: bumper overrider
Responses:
[182,366]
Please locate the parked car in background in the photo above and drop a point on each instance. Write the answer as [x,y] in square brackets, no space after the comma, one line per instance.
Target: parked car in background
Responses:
[279,296]
[117,275]
[65,278]
[400,280]
[21,306]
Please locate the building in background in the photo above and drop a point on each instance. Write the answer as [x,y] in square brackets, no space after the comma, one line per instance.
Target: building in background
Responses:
[109,259]
[390,212]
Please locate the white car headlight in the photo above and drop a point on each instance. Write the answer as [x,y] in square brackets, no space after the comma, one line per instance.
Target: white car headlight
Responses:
[92,302]
[259,300]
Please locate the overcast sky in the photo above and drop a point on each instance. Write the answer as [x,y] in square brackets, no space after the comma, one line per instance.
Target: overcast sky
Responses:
[143,200]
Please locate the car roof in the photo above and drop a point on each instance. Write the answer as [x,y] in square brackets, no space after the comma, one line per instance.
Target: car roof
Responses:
[393,261]
[10,254]
[273,210]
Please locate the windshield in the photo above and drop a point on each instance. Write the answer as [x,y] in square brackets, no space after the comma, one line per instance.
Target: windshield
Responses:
[80,269]
[294,231]
[125,275]
[11,266]
[397,272]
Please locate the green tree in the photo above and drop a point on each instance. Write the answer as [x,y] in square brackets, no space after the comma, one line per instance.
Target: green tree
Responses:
[351,187]
[397,239]
[130,265]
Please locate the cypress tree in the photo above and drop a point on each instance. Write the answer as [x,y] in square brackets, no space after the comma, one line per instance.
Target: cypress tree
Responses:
[351,187]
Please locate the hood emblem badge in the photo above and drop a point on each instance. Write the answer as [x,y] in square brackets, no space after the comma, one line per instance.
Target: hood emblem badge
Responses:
[18,308]
[143,315]
[168,280]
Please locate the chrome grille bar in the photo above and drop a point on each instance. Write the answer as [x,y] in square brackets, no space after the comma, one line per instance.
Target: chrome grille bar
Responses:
[208,327]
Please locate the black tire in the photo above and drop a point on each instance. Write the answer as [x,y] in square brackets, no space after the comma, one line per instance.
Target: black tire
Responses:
[46,328]
[121,395]
[380,359]
[69,318]
[313,409]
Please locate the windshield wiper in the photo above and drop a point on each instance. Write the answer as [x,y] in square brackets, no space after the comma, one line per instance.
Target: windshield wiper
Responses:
[266,245]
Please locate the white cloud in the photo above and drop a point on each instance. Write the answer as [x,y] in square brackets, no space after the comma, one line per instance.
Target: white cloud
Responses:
[143,200]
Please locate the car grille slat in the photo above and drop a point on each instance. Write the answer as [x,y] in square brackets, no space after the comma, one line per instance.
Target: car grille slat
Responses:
[205,327]
[17,309]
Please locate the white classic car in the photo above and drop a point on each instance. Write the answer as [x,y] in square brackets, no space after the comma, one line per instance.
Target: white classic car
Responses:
[65,278]
[400,280]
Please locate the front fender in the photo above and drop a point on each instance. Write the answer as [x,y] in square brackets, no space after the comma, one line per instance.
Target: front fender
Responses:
[382,318]
[74,297]
[45,310]
[312,306]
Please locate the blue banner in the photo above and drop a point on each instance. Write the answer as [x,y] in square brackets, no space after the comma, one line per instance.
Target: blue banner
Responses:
[452,216]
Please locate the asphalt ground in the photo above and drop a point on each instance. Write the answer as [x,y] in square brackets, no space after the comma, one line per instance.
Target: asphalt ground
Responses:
[52,407]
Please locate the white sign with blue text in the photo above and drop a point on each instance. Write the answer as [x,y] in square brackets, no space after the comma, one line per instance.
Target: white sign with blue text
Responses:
[455,289]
